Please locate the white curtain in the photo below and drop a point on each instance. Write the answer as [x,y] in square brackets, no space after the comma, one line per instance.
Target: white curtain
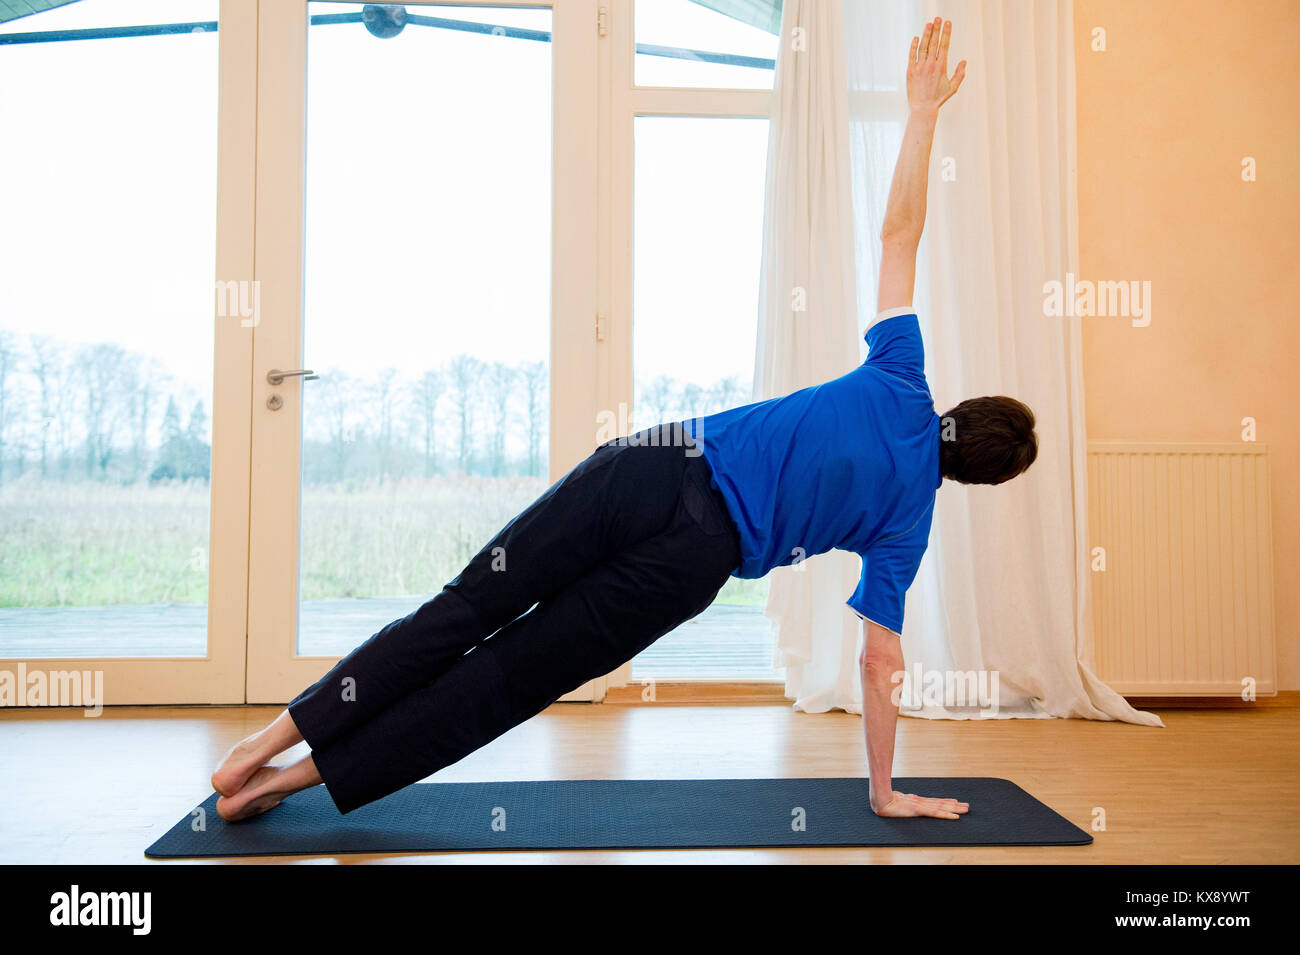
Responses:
[808,323]
[1004,587]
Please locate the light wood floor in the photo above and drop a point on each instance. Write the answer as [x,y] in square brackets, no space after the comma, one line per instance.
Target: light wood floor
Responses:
[1214,786]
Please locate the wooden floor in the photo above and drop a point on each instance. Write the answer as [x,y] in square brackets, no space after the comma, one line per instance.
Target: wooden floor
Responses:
[1214,786]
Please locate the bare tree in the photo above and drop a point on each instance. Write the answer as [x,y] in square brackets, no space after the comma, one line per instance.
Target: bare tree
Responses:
[47,361]
[692,400]
[101,368]
[463,377]
[535,376]
[55,368]
[727,393]
[656,399]
[383,399]
[8,411]
[428,391]
[138,378]
[500,380]
[337,405]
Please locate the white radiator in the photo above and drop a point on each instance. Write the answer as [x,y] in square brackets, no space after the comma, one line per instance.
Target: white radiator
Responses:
[1184,606]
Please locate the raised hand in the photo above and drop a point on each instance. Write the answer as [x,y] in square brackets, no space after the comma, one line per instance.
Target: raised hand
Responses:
[928,83]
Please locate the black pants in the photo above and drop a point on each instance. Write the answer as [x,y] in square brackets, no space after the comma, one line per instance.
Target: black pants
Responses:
[626,546]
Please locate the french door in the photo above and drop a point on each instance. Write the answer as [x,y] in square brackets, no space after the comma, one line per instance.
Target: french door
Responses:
[206,503]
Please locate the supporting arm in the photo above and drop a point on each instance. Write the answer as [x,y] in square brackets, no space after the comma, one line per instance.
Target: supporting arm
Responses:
[882,666]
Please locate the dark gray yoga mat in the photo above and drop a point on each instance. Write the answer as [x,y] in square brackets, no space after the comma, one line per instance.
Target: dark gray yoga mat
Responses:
[623,814]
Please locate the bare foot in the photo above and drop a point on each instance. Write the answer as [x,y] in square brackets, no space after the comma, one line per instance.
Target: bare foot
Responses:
[263,791]
[240,764]
[248,755]
[267,788]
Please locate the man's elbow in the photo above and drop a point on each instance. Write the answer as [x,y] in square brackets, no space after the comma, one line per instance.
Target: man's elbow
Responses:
[901,237]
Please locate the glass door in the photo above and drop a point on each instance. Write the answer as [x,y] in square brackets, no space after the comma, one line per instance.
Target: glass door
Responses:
[426,248]
[691,93]
[126,187]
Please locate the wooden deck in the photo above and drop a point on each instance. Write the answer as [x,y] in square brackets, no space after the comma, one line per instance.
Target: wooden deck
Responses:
[723,643]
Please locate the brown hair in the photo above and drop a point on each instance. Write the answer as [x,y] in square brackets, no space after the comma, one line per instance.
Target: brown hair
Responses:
[987,440]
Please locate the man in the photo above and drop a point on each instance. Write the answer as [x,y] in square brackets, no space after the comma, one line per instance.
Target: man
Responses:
[641,535]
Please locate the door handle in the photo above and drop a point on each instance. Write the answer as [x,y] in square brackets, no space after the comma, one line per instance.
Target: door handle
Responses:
[276,377]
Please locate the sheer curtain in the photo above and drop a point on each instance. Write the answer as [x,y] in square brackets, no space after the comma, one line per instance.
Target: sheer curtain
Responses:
[1004,587]
[807,326]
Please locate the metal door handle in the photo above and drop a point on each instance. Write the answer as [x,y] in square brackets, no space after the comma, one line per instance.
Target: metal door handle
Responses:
[276,377]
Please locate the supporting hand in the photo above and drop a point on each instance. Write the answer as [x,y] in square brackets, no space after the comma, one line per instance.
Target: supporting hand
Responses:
[904,805]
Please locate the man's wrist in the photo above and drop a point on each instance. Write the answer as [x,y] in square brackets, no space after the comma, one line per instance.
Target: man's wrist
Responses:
[925,114]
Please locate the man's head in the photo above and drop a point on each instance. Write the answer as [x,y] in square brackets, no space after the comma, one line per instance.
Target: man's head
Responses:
[987,440]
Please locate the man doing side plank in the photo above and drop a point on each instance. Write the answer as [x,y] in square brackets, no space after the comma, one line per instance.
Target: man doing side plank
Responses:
[641,535]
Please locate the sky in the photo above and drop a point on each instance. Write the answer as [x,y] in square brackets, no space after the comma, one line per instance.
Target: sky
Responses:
[427,198]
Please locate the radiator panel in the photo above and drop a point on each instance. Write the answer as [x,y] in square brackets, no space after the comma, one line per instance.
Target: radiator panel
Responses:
[1185,604]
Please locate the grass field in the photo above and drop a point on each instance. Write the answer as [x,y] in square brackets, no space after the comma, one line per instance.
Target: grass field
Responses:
[95,544]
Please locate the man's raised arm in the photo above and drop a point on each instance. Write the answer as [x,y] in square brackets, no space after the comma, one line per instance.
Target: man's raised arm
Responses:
[928,88]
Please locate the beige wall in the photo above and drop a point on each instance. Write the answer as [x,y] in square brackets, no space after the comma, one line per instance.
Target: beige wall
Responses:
[1184,91]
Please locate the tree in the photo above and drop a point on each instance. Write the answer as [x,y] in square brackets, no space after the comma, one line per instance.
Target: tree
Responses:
[384,399]
[500,380]
[47,361]
[183,455]
[198,450]
[656,399]
[8,360]
[462,374]
[728,393]
[101,378]
[692,400]
[337,404]
[137,376]
[535,376]
[171,448]
[428,391]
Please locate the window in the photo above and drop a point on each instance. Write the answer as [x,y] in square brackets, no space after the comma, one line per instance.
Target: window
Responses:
[707,43]
[697,167]
[107,258]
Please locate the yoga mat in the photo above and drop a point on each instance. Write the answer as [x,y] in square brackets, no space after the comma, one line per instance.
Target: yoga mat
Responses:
[622,814]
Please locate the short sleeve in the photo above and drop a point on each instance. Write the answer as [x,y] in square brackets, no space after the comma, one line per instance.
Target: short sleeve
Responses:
[894,342]
[888,569]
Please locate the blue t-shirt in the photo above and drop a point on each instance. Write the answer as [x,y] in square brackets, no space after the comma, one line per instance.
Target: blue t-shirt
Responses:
[850,464]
